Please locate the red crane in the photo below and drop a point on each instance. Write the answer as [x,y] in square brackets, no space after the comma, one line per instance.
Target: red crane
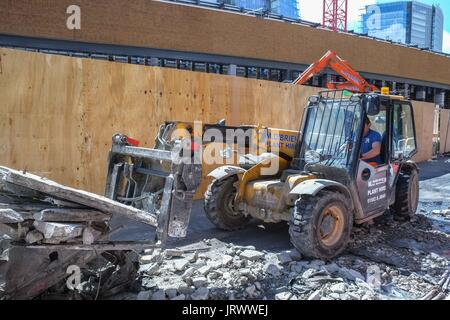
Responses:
[335,14]
[355,82]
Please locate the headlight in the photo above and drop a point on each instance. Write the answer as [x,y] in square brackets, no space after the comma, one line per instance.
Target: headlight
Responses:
[312,157]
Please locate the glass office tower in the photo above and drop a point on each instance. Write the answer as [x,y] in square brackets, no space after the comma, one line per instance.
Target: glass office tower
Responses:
[408,22]
[286,8]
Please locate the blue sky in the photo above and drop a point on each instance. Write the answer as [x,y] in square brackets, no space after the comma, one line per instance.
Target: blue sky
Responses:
[312,11]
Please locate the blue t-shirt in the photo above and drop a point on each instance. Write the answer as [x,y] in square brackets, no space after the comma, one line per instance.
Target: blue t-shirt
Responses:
[367,142]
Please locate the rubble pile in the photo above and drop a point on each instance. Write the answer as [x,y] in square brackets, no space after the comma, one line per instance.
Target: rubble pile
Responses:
[390,260]
[41,222]
[46,228]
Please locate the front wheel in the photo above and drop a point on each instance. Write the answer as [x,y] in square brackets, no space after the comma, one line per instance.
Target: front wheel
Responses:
[220,207]
[320,226]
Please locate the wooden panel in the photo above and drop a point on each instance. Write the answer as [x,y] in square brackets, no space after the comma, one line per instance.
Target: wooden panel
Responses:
[60,113]
[424,119]
[154,24]
[444,131]
[41,120]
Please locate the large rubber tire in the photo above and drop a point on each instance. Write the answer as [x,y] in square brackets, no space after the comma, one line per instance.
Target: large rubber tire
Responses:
[306,225]
[219,205]
[406,195]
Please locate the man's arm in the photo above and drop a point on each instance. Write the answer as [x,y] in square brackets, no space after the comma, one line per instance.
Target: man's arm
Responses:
[375,152]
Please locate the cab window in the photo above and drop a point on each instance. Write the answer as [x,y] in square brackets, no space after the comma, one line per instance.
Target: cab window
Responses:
[404,144]
[379,124]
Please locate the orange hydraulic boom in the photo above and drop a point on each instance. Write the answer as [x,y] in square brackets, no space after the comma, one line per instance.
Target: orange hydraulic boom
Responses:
[355,82]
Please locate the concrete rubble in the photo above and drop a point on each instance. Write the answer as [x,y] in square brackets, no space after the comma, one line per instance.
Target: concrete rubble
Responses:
[387,269]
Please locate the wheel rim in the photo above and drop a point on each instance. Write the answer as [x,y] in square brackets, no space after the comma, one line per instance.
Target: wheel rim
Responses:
[331,225]
[230,204]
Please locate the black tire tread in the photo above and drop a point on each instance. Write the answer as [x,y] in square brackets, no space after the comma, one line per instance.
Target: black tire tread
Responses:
[212,206]
[302,229]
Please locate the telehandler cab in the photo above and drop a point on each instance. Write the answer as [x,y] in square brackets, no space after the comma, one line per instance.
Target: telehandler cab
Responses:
[324,187]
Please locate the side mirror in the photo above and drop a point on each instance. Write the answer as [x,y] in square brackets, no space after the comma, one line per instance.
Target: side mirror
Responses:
[372,103]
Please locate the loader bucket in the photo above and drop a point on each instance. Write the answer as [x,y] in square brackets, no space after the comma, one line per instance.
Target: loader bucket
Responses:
[154,181]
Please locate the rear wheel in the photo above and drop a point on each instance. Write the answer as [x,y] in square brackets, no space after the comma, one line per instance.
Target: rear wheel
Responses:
[406,195]
[320,226]
[220,207]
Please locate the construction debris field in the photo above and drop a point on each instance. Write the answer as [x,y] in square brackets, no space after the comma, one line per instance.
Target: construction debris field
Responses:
[385,260]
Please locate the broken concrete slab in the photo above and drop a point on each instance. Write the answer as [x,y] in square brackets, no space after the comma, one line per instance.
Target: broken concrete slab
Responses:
[350,274]
[251,255]
[63,203]
[59,230]
[188,273]
[316,295]
[295,255]
[273,270]
[34,236]
[283,295]
[226,260]
[331,268]
[13,231]
[173,253]
[159,295]
[49,187]
[149,269]
[284,257]
[200,294]
[155,256]
[180,264]
[185,289]
[70,215]
[199,281]
[90,235]
[9,231]
[204,270]
[252,291]
[171,292]
[339,288]
[10,216]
